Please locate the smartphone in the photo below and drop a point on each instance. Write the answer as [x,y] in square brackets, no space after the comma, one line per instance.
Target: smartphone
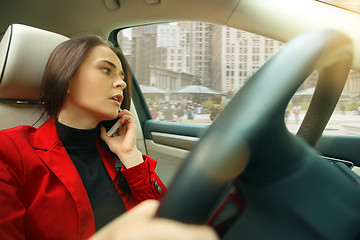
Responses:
[113,129]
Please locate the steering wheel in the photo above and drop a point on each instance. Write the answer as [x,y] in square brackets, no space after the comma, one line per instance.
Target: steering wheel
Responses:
[289,191]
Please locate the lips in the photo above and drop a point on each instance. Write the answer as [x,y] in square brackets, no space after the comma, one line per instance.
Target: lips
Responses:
[117,98]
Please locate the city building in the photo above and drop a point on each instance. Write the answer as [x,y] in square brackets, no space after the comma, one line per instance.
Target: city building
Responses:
[236,55]
[169,80]
[211,55]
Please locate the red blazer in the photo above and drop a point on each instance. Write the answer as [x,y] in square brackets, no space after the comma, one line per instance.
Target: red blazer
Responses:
[41,192]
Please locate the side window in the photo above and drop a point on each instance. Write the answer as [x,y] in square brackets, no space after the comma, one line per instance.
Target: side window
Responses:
[189,71]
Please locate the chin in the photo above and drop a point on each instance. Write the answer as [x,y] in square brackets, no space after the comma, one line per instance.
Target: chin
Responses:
[113,116]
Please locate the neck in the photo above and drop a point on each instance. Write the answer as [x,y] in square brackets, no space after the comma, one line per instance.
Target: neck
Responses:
[77,119]
[79,123]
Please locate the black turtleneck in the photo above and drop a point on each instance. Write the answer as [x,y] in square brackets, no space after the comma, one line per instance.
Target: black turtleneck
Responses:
[80,144]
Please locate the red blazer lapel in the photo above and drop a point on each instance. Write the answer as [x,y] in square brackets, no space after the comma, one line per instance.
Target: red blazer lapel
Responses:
[54,155]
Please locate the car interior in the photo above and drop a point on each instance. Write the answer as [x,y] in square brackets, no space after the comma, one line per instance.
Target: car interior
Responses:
[248,176]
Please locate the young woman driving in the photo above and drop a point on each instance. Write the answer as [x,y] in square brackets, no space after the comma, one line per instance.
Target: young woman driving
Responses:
[68,178]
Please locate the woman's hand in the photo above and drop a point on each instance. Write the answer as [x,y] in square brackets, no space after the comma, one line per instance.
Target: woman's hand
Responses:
[139,223]
[123,141]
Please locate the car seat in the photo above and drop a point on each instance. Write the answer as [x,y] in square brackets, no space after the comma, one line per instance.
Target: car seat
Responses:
[24,52]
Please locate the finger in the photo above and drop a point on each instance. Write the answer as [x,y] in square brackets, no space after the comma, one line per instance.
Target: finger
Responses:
[125,120]
[125,112]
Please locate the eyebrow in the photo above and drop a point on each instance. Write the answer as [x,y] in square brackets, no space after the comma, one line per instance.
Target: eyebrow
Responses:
[112,65]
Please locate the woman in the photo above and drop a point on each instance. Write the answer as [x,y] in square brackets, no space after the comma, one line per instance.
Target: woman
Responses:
[67,178]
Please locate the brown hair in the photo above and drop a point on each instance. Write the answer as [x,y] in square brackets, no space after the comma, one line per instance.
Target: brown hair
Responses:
[63,63]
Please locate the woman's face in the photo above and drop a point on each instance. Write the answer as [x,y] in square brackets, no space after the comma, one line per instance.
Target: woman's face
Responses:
[96,89]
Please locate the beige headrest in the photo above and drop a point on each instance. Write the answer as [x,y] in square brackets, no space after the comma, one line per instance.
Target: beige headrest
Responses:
[24,52]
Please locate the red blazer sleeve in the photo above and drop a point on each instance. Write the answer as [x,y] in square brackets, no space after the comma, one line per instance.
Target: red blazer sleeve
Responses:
[12,209]
[143,181]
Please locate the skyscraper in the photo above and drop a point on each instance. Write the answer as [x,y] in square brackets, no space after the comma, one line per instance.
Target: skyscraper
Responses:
[237,55]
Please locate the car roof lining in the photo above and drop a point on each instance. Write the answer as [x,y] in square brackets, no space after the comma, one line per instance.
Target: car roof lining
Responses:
[263,17]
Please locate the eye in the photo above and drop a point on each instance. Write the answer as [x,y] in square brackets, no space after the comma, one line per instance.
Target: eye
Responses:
[106,70]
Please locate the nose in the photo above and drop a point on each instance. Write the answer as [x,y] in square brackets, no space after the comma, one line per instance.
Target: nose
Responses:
[119,83]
